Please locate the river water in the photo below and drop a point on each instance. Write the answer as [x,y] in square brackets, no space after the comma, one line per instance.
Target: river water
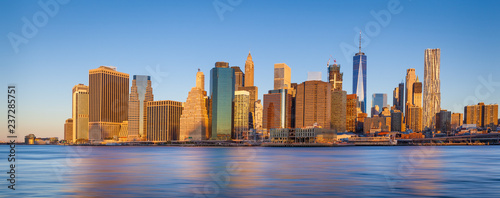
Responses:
[154,171]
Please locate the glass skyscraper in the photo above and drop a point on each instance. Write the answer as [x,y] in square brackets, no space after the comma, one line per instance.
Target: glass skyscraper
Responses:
[359,78]
[222,80]
[379,99]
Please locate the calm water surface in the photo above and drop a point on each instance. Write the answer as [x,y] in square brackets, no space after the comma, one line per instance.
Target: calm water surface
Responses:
[66,171]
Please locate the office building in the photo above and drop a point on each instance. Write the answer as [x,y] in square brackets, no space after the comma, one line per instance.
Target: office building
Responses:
[141,92]
[414,117]
[410,79]
[80,113]
[222,83]
[351,112]
[482,115]
[417,93]
[312,104]
[335,76]
[397,121]
[241,112]
[282,76]
[258,115]
[163,120]
[380,100]
[359,77]
[239,78]
[68,130]
[339,111]
[457,120]
[432,87]
[443,121]
[277,112]
[108,102]
[194,121]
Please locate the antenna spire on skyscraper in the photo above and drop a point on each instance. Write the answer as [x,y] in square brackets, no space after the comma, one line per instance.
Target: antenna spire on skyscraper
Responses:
[360,41]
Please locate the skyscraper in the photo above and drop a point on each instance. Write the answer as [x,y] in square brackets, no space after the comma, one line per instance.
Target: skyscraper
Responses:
[251,88]
[312,104]
[443,121]
[241,110]
[432,87]
[338,110]
[379,99]
[351,112]
[108,102]
[277,112]
[359,77]
[68,130]
[258,115]
[141,92]
[194,119]
[397,121]
[80,113]
[482,115]
[334,76]
[410,79]
[163,120]
[414,118]
[399,97]
[417,93]
[222,80]
[282,76]
[249,75]
[457,119]
[239,78]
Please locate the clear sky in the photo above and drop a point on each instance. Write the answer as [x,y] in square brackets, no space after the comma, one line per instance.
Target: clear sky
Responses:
[178,37]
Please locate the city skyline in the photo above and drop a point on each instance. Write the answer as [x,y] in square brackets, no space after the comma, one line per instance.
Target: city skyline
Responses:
[47,120]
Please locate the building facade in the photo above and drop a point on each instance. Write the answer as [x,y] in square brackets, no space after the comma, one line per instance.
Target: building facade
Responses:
[194,120]
[351,112]
[241,112]
[338,111]
[313,104]
[222,83]
[359,77]
[335,76]
[108,102]
[258,115]
[282,76]
[457,119]
[141,92]
[239,78]
[163,120]
[432,87]
[68,130]
[443,122]
[80,113]
[277,112]
[414,117]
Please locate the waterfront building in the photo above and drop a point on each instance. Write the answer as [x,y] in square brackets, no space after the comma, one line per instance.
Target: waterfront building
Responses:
[241,112]
[335,76]
[443,121]
[339,111]
[482,115]
[377,124]
[302,135]
[312,104]
[414,118]
[68,130]
[397,121]
[194,121]
[351,112]
[361,121]
[277,109]
[141,92]
[432,87]
[457,120]
[108,102]
[222,80]
[80,113]
[163,120]
[30,138]
[359,77]
[282,76]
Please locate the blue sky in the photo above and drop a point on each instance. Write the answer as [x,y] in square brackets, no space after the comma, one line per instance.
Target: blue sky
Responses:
[178,37]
